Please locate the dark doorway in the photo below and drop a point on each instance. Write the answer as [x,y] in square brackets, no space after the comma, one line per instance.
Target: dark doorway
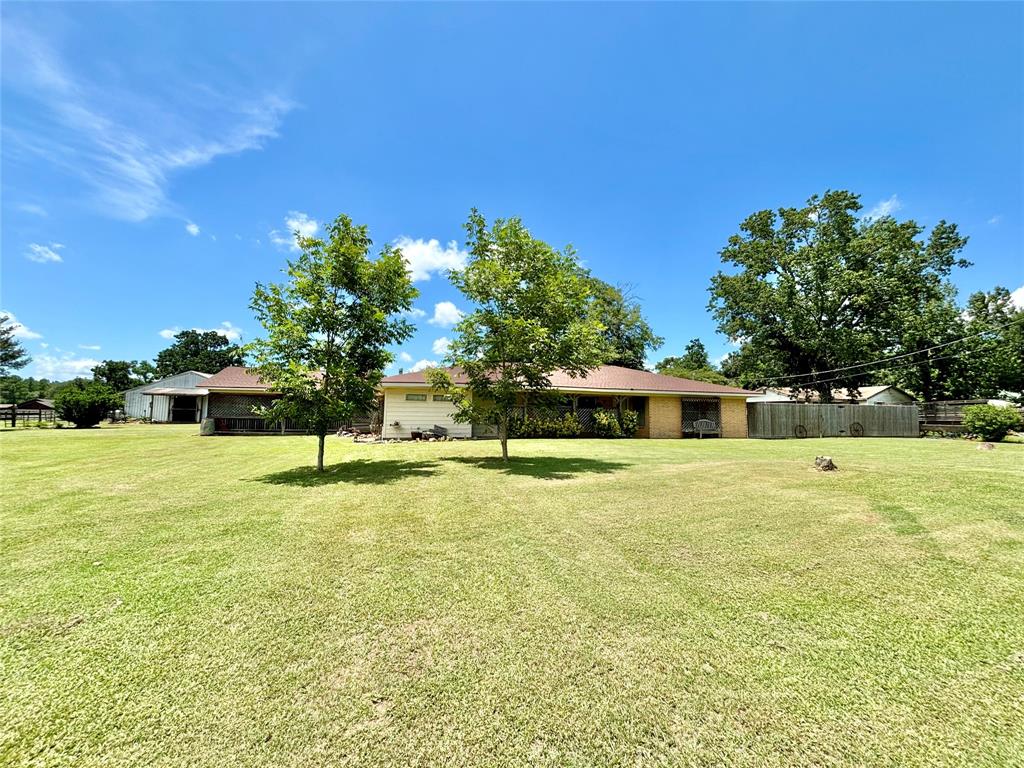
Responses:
[183,409]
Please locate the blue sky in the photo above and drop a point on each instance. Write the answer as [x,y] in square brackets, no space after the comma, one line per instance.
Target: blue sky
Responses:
[153,154]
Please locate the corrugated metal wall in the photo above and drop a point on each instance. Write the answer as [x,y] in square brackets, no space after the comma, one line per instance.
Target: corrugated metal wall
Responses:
[781,420]
[136,402]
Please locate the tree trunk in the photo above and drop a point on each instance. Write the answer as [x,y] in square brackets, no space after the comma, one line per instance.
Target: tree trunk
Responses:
[927,393]
[320,454]
[503,438]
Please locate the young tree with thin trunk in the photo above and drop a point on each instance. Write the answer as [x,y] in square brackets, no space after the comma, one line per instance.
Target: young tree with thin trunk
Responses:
[328,328]
[530,318]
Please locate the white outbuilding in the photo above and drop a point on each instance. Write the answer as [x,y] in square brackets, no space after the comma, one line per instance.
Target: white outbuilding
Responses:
[179,398]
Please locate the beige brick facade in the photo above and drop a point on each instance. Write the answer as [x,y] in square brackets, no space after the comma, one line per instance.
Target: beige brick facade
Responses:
[665,416]
[734,417]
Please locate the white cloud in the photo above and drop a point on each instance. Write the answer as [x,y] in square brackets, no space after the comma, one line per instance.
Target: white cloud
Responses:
[192,228]
[420,365]
[90,347]
[414,312]
[446,314]
[21,331]
[230,331]
[995,220]
[35,210]
[44,254]
[885,208]
[43,344]
[294,222]
[405,357]
[63,367]
[125,145]
[440,346]
[426,256]
[1017,297]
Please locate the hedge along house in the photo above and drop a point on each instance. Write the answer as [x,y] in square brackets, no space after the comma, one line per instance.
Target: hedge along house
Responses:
[667,406]
[173,399]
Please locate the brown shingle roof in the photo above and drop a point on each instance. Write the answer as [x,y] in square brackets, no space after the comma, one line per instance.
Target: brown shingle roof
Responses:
[606,377]
[235,377]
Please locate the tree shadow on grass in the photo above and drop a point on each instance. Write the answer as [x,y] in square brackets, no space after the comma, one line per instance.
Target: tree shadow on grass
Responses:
[362,471]
[543,467]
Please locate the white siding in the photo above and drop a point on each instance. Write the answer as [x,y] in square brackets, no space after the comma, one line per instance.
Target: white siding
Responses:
[418,415]
[890,397]
[770,396]
[136,401]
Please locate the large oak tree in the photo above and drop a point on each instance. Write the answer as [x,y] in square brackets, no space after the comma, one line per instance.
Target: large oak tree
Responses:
[820,288]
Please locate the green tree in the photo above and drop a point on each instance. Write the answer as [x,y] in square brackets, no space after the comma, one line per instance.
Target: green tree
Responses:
[997,352]
[144,371]
[627,335]
[85,403]
[13,356]
[15,389]
[204,351]
[932,374]
[819,288]
[328,328]
[693,364]
[529,318]
[116,374]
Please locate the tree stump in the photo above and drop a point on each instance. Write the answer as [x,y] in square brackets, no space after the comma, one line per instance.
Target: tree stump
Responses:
[824,464]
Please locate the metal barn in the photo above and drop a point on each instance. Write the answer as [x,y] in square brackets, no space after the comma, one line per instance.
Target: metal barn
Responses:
[174,398]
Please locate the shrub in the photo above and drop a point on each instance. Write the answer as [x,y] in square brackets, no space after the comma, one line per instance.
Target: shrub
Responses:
[85,403]
[606,423]
[630,421]
[990,422]
[545,425]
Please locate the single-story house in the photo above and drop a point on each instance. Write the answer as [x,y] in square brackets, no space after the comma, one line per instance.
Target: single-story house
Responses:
[882,394]
[667,406]
[177,399]
[232,395]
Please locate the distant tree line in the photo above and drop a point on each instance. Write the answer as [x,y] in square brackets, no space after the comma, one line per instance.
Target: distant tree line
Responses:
[206,351]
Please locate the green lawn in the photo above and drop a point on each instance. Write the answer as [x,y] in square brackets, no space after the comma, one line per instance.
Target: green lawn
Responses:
[171,600]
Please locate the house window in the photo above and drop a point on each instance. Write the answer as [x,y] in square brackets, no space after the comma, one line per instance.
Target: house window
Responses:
[442,398]
[417,398]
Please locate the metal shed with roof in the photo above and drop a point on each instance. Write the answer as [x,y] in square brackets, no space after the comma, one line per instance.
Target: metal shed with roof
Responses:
[178,398]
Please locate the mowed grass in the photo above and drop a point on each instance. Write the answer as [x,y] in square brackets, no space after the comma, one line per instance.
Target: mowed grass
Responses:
[172,600]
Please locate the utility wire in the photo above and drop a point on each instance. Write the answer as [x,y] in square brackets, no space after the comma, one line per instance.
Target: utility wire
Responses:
[815,383]
[898,357]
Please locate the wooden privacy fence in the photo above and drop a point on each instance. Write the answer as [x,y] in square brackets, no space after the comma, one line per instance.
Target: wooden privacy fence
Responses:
[781,420]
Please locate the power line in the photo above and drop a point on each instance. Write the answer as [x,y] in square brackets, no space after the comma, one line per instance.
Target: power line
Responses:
[814,384]
[898,357]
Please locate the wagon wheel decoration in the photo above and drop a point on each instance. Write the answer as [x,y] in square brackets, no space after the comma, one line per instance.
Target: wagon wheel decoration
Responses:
[800,430]
[857,429]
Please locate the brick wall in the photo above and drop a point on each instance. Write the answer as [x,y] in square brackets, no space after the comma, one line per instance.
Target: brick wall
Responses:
[665,416]
[734,417]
